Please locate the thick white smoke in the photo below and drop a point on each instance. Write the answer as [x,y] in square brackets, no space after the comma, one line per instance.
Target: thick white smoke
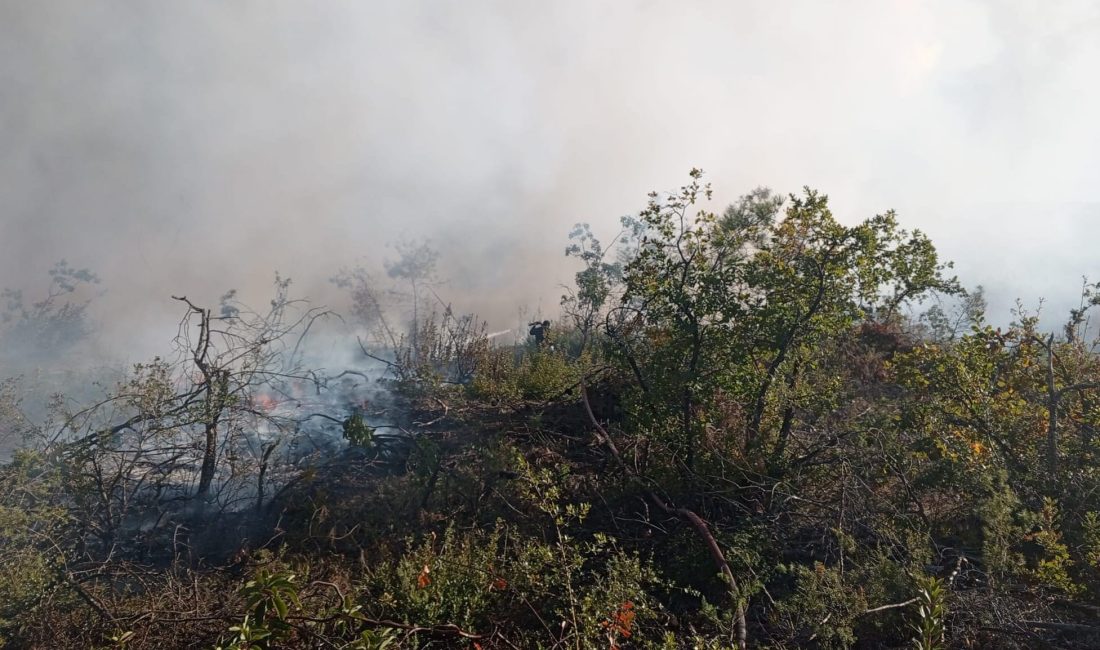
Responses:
[194,147]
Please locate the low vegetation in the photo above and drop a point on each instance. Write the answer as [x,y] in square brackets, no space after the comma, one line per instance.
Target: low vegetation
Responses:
[758,428]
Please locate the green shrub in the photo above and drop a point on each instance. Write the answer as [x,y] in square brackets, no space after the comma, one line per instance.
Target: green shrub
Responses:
[30,525]
[822,609]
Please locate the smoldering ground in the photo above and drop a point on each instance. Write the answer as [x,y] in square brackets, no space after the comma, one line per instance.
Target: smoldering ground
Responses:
[189,148]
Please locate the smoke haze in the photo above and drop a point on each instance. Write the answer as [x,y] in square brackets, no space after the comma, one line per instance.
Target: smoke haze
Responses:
[193,147]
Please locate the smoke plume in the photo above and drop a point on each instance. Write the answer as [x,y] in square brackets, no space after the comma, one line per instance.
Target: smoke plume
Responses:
[194,147]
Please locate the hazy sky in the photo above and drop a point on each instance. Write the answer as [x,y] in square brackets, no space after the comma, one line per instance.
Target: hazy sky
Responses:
[190,147]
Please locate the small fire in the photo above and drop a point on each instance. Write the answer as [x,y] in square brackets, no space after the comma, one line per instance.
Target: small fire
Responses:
[264,403]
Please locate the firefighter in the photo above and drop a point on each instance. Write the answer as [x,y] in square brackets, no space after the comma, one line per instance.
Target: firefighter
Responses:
[540,331]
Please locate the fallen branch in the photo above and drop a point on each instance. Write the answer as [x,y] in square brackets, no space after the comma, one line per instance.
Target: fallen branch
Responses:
[883,608]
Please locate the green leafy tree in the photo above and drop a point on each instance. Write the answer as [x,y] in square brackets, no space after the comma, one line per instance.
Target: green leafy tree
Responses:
[744,306]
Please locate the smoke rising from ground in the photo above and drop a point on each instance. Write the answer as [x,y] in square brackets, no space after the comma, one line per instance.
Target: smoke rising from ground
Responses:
[189,148]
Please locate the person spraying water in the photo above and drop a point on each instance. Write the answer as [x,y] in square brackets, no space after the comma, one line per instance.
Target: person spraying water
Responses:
[539,331]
